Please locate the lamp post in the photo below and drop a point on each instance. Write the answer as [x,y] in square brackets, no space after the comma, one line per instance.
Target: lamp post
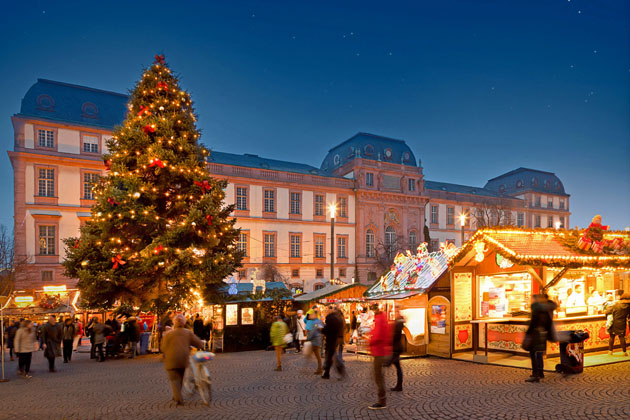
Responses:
[462,222]
[333,210]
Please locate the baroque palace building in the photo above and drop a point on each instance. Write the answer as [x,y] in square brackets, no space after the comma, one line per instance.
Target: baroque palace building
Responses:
[383,200]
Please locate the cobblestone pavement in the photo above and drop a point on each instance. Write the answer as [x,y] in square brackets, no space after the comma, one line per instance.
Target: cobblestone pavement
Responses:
[246,387]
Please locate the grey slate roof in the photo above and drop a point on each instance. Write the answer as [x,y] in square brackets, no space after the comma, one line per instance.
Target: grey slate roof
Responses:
[526,179]
[254,161]
[74,104]
[368,146]
[461,189]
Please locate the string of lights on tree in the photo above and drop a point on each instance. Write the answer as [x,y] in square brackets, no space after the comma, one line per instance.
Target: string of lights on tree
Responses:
[159,226]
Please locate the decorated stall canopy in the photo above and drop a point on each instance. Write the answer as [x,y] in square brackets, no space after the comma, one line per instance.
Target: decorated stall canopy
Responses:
[51,300]
[333,293]
[412,273]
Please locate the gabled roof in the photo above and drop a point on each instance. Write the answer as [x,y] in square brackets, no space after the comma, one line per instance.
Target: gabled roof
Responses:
[325,291]
[369,146]
[254,161]
[526,179]
[539,247]
[458,188]
[74,104]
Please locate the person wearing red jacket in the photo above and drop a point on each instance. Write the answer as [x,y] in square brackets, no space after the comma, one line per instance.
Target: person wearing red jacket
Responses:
[380,348]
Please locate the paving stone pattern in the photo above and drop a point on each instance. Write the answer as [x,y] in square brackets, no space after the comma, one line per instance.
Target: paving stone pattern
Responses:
[246,387]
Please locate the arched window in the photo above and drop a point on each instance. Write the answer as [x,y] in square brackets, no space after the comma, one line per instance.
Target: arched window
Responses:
[369,243]
[413,241]
[390,241]
[318,286]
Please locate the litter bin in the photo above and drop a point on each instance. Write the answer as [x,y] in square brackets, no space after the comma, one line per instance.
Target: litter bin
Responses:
[144,342]
[571,351]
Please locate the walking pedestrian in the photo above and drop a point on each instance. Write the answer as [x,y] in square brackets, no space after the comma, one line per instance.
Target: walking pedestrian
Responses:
[133,335]
[176,348]
[353,327]
[540,330]
[99,332]
[397,349]
[332,331]
[78,325]
[279,330]
[300,335]
[68,339]
[314,327]
[90,334]
[380,348]
[52,334]
[24,347]
[198,327]
[11,331]
[620,312]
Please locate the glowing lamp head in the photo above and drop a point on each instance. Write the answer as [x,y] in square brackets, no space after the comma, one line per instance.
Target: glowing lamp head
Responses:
[557,225]
[462,220]
[333,209]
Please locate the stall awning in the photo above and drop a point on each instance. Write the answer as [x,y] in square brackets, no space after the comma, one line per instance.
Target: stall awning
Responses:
[395,296]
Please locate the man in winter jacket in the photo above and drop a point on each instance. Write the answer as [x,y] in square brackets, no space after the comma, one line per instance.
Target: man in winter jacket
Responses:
[381,348]
[620,313]
[52,336]
[332,330]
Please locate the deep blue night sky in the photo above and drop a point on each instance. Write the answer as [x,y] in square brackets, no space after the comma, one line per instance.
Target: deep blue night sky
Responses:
[476,88]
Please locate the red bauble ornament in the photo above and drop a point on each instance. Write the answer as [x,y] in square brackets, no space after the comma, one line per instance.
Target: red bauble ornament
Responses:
[148,129]
[156,162]
[112,201]
[158,249]
[209,219]
[144,110]
[162,85]
[77,243]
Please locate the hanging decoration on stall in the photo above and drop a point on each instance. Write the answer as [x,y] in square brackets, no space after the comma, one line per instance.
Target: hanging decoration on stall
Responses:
[50,301]
[595,240]
[503,262]
[233,289]
[480,250]
[414,271]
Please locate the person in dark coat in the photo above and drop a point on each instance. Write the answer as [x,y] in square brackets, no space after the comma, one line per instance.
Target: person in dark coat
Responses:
[620,312]
[11,332]
[397,349]
[198,327]
[133,335]
[332,330]
[69,331]
[52,335]
[540,330]
[353,326]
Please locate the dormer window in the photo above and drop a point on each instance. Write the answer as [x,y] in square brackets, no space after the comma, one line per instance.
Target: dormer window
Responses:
[337,160]
[534,182]
[45,103]
[89,110]
[388,153]
[369,150]
[519,184]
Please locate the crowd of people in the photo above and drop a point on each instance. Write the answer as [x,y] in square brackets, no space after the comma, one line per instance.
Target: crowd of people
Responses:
[314,334]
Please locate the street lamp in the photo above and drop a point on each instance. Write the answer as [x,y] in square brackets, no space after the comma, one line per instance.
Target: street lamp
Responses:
[557,225]
[333,211]
[462,223]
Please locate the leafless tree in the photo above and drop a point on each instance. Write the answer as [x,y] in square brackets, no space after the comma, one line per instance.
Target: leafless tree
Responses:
[270,272]
[492,212]
[385,253]
[9,264]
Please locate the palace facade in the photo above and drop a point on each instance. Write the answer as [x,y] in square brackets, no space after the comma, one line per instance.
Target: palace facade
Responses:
[383,200]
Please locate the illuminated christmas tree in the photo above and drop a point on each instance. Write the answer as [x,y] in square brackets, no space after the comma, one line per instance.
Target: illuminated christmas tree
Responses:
[159,227]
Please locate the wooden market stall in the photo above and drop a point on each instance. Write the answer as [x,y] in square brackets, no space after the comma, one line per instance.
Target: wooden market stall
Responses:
[412,288]
[494,275]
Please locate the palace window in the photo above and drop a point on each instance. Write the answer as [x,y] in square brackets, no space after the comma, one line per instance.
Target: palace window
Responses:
[550,203]
[296,246]
[412,184]
[89,179]
[47,240]
[561,204]
[90,143]
[296,207]
[341,247]
[47,276]
[561,222]
[295,273]
[343,207]
[270,201]
[46,182]
[241,198]
[369,243]
[342,272]
[520,219]
[319,247]
[319,273]
[319,205]
[46,138]
[450,215]
[413,241]
[270,245]
[369,179]
[391,240]
[537,220]
[241,244]
[549,221]
[434,215]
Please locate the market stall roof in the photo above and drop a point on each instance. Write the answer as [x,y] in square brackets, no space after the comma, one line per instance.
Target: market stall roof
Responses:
[412,273]
[325,291]
[540,247]
[36,310]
